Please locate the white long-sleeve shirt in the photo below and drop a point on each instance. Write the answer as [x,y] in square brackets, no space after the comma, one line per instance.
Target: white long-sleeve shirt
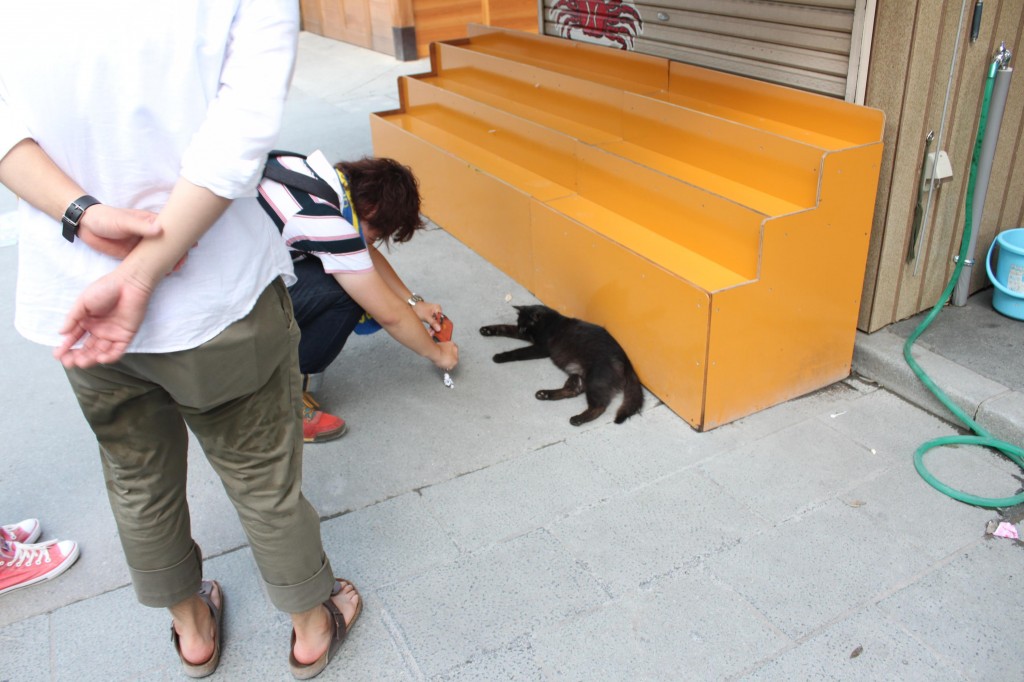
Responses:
[126,96]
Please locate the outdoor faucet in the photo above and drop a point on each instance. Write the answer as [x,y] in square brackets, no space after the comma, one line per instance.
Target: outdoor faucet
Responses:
[1003,56]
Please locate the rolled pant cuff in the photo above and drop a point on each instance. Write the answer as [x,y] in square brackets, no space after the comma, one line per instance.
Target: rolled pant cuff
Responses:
[166,587]
[305,595]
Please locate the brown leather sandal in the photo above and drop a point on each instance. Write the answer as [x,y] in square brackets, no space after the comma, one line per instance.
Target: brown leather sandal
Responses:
[197,670]
[339,631]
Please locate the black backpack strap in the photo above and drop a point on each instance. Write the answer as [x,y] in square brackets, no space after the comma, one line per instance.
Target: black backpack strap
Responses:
[275,170]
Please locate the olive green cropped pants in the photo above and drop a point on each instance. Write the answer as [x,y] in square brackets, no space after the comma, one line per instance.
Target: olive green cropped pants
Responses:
[239,393]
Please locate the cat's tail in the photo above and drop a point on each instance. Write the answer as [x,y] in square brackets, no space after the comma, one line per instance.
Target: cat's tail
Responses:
[632,395]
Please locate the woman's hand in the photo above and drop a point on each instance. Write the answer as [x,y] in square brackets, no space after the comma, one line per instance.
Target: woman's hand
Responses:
[429,313]
[448,356]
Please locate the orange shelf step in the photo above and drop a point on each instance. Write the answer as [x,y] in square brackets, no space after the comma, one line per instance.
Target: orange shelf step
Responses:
[717,226]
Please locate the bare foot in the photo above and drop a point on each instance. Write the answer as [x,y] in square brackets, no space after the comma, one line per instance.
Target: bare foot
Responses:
[310,648]
[193,621]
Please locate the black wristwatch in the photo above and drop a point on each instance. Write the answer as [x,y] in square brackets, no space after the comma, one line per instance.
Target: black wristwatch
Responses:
[73,215]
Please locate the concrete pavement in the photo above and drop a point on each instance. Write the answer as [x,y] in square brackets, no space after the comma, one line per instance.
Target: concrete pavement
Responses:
[491,540]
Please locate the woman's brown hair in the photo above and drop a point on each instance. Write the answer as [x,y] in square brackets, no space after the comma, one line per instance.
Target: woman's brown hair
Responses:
[385,193]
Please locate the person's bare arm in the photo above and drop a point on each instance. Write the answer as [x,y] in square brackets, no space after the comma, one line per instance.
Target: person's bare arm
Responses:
[372,293]
[30,173]
[109,312]
[428,312]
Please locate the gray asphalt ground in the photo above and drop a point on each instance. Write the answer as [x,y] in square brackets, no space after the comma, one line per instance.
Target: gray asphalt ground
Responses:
[491,540]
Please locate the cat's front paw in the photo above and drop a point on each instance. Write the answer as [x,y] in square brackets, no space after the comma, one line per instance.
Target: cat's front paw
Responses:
[543,395]
[489,330]
[501,357]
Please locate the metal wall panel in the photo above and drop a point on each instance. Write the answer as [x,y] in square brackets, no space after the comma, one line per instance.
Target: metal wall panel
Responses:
[803,44]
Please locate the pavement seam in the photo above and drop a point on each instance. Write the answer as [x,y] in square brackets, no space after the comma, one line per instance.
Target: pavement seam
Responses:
[398,637]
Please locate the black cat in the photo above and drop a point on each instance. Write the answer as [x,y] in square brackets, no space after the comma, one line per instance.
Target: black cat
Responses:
[595,361]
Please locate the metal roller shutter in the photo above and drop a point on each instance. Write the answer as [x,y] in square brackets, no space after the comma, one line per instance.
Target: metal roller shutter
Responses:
[814,45]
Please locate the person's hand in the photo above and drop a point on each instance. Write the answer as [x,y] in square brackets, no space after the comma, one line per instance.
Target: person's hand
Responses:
[429,313]
[448,357]
[106,317]
[116,231]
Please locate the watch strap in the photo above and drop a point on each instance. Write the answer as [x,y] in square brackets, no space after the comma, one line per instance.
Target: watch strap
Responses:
[73,215]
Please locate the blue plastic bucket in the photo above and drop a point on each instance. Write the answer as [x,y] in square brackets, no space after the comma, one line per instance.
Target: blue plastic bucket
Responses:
[1008,280]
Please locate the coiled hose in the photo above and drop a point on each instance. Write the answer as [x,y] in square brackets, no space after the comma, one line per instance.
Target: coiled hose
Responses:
[981,437]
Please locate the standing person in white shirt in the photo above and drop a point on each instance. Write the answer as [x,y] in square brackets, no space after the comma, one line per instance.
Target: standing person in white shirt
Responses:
[138,142]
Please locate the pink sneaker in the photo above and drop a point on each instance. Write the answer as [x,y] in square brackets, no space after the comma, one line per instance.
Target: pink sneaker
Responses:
[24,565]
[25,532]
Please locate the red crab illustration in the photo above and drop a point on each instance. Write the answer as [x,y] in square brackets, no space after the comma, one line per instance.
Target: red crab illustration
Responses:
[614,20]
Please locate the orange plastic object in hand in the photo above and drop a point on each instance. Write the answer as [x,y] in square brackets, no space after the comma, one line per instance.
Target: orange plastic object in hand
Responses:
[446,330]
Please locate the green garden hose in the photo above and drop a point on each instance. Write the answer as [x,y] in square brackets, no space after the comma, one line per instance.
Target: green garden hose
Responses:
[982,437]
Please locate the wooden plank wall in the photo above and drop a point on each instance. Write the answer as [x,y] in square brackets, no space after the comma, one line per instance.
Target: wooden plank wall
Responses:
[447,19]
[804,44]
[382,17]
[910,67]
[370,23]
[347,20]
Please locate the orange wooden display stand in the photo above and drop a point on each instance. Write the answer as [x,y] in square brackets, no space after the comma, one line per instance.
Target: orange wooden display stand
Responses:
[717,226]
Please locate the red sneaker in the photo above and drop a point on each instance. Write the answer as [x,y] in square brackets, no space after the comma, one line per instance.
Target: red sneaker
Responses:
[318,426]
[25,532]
[24,565]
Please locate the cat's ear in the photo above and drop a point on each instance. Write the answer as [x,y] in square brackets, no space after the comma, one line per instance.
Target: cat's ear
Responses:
[519,308]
